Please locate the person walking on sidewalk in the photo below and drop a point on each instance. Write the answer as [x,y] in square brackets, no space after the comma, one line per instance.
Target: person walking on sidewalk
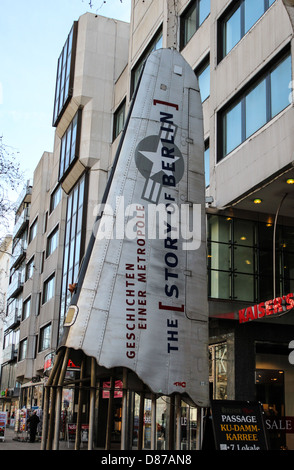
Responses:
[33,421]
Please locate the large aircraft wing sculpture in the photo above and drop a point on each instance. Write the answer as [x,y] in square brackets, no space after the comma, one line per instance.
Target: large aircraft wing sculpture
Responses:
[141,300]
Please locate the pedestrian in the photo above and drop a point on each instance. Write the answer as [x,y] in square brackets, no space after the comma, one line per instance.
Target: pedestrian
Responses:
[33,421]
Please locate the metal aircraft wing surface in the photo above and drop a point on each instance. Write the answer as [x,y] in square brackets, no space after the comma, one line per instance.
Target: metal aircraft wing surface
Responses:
[142,301]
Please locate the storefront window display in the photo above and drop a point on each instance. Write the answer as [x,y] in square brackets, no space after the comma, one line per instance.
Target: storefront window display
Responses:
[218,370]
[188,423]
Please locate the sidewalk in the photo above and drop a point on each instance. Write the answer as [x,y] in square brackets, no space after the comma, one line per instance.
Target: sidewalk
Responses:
[11,443]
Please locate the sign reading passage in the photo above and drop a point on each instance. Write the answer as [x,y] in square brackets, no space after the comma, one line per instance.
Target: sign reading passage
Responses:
[238,425]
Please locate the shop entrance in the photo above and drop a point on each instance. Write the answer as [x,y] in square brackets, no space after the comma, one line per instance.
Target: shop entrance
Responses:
[270,392]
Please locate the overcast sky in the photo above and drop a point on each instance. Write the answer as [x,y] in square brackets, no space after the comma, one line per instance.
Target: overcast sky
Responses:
[32,35]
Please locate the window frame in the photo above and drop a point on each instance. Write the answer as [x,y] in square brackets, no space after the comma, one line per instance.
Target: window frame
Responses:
[240,98]
[118,126]
[225,17]
[193,5]
[71,264]
[27,303]
[46,290]
[45,338]
[23,349]
[63,79]
[53,236]
[29,270]
[153,45]
[74,148]
[55,198]
[204,65]
[33,230]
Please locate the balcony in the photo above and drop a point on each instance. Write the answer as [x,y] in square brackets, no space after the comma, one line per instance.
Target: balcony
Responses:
[19,252]
[25,195]
[13,318]
[16,285]
[21,222]
[9,353]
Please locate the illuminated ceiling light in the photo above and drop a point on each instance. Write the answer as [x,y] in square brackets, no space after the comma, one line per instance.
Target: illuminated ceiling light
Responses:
[243,238]
[290,181]
[257,201]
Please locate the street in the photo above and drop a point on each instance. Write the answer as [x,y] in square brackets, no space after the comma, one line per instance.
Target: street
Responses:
[11,443]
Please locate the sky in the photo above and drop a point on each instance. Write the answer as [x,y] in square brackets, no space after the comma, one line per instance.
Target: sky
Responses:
[32,35]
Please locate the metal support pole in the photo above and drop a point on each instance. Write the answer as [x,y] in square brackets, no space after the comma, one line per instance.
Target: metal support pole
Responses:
[124,433]
[171,433]
[178,421]
[153,422]
[59,399]
[274,245]
[141,421]
[53,374]
[92,404]
[80,406]
[109,414]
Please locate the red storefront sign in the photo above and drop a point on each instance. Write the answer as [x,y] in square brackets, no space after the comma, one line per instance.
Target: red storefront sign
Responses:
[117,390]
[276,306]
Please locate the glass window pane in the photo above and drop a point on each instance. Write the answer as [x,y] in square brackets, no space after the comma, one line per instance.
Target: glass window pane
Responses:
[256,108]
[207,166]
[204,83]
[244,287]
[232,31]
[254,9]
[220,285]
[244,232]
[244,259]
[204,10]
[232,126]
[280,80]
[190,24]
[219,256]
[219,228]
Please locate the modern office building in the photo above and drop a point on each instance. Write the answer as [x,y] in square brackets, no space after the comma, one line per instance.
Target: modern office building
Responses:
[241,52]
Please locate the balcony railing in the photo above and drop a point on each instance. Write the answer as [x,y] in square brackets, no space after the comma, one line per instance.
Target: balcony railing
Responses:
[21,222]
[13,318]
[19,252]
[9,353]
[16,284]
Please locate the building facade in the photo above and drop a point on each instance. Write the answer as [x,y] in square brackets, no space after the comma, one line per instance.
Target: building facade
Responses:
[241,52]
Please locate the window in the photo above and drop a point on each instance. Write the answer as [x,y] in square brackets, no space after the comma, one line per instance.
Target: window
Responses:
[155,44]
[52,241]
[48,290]
[207,162]
[240,262]
[30,269]
[73,243]
[69,146]
[203,75]
[23,349]
[26,310]
[256,106]
[45,338]
[65,70]
[238,20]
[119,120]
[55,198]
[193,17]
[33,230]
